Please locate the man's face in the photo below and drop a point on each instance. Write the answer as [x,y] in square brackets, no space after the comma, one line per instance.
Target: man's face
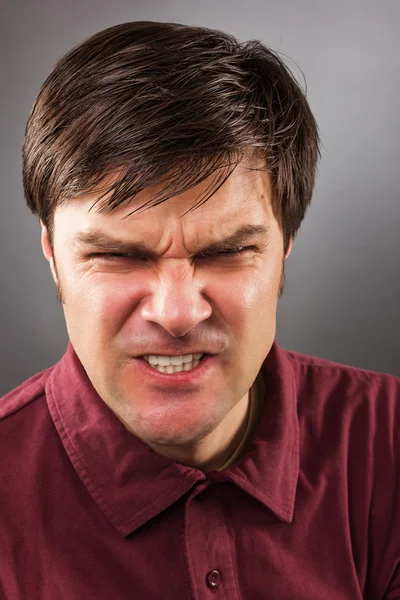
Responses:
[158,283]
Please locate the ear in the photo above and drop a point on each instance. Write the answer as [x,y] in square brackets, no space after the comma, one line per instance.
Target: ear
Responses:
[289,248]
[47,250]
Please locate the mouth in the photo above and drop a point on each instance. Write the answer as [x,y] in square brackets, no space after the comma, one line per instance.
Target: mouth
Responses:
[174,364]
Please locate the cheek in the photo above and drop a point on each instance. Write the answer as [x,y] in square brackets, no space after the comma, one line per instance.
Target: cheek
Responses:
[246,296]
[104,302]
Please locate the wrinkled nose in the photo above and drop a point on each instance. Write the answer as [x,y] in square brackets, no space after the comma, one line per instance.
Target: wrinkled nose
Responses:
[176,302]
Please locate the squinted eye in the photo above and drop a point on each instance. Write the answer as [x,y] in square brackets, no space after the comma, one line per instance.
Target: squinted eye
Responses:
[238,250]
[228,252]
[212,254]
[115,256]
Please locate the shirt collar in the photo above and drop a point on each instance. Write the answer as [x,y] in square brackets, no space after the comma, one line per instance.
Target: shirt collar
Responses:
[269,469]
[131,484]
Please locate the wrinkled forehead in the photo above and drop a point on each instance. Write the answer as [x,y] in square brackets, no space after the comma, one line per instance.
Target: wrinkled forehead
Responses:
[243,199]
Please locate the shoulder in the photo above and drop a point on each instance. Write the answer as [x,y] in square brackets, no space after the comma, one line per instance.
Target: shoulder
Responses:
[31,454]
[28,442]
[23,411]
[356,408]
[24,395]
[349,422]
[327,379]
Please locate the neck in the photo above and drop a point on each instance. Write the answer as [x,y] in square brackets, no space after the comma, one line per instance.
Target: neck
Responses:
[211,452]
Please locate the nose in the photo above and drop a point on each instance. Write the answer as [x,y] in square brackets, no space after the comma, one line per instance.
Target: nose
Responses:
[176,302]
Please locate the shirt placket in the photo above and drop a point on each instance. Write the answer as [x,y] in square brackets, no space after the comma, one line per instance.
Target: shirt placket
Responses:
[209,547]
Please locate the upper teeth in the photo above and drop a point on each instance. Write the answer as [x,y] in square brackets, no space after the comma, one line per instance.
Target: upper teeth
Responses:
[164,361]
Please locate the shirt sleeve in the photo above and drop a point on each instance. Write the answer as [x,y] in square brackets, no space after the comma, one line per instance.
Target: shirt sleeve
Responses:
[385,509]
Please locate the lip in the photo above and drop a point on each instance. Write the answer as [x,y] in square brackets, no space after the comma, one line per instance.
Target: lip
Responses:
[172,353]
[182,377]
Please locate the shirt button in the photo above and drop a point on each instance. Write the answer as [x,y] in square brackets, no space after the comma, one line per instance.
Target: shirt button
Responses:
[213,579]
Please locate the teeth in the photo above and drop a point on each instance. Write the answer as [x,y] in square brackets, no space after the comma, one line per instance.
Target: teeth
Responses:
[176,360]
[164,361]
[174,364]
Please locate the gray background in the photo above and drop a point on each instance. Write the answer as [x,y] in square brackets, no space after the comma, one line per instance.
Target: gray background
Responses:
[343,293]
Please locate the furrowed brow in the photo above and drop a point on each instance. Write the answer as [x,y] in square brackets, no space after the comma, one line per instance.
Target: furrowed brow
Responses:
[241,237]
[100,241]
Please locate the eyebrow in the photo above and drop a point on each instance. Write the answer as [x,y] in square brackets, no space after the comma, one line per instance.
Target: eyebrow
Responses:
[101,241]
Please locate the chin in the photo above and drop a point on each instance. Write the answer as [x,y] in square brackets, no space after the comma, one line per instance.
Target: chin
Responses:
[169,419]
[172,432]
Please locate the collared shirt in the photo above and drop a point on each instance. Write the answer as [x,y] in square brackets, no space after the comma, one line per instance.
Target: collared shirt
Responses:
[310,511]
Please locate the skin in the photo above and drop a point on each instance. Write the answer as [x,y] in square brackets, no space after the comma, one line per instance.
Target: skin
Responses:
[119,307]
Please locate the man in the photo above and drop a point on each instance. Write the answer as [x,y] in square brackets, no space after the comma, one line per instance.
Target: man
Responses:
[176,451]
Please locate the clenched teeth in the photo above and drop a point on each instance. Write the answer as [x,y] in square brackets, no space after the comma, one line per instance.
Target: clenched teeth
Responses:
[174,364]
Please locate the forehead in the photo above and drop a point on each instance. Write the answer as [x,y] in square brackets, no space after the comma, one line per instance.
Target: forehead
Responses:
[244,199]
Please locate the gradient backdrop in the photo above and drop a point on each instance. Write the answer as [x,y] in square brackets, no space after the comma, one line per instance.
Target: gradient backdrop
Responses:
[342,299]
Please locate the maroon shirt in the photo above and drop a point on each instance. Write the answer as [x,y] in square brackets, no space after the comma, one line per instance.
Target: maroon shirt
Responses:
[310,512]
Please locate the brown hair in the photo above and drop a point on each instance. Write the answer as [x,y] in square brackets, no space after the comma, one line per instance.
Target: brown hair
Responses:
[171,105]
